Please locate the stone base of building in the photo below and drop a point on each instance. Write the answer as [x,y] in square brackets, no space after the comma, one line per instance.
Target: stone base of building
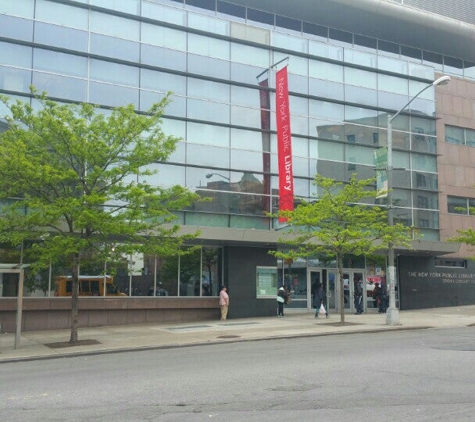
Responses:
[55,313]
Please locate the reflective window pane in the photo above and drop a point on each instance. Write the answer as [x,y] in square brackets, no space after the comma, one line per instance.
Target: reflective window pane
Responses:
[208,90]
[250,55]
[163,13]
[23,8]
[103,45]
[163,57]
[62,14]
[456,205]
[206,46]
[163,82]
[208,24]
[126,6]
[16,80]
[204,155]
[112,95]
[63,63]
[326,89]
[360,78]
[326,71]
[16,28]
[61,87]
[59,36]
[207,134]
[246,139]
[163,37]
[454,135]
[207,111]
[114,72]
[115,26]
[15,55]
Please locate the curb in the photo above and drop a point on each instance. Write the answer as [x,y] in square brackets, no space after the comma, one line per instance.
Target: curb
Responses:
[208,343]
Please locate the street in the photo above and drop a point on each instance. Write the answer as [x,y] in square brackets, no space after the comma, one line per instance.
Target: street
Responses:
[420,375]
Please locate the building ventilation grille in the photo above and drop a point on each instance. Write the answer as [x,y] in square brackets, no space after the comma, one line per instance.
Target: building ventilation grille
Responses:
[461,10]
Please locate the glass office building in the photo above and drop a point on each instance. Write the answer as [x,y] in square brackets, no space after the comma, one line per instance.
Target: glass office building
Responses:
[345,77]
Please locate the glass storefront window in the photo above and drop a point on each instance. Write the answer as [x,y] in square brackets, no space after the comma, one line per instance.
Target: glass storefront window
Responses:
[266,282]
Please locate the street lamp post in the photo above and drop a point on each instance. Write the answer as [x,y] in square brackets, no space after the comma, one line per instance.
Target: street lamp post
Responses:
[392,313]
[209,175]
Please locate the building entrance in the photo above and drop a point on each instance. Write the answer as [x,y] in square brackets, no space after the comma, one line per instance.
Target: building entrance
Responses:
[350,280]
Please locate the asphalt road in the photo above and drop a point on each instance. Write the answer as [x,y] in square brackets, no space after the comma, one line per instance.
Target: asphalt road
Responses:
[425,375]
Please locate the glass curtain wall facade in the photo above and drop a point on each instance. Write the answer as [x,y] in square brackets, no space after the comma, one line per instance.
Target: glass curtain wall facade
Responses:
[209,54]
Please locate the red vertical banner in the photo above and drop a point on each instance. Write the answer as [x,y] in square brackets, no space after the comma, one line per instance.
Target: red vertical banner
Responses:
[284,143]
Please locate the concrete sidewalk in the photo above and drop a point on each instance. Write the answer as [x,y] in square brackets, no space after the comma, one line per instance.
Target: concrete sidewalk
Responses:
[44,344]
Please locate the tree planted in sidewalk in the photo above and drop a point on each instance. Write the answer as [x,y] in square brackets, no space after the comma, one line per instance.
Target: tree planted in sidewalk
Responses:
[77,181]
[342,221]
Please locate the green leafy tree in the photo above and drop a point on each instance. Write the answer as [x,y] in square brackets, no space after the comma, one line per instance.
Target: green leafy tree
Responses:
[81,183]
[341,222]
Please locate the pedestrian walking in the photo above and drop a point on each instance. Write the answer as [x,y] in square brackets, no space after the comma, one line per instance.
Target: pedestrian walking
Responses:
[319,300]
[359,296]
[282,298]
[224,302]
[376,293]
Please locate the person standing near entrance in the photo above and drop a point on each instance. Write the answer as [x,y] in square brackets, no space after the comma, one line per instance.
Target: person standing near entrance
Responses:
[359,296]
[319,300]
[282,298]
[224,303]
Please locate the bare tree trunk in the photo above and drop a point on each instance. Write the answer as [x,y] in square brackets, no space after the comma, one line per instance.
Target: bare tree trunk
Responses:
[342,289]
[75,300]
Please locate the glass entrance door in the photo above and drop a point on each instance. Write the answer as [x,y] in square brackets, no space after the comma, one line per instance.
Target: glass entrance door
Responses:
[350,279]
[314,278]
